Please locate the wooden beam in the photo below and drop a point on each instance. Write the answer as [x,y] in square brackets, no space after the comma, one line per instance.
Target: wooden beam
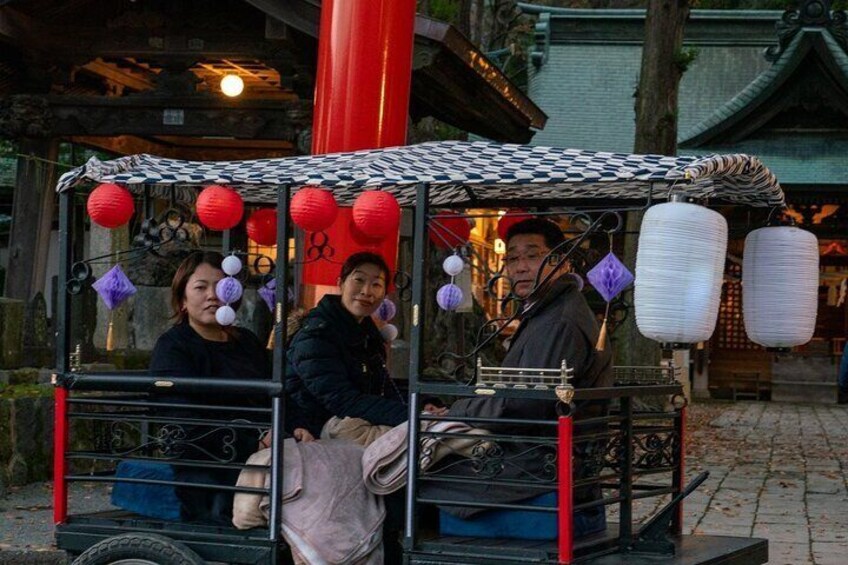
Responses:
[111,72]
[184,116]
[129,145]
[32,213]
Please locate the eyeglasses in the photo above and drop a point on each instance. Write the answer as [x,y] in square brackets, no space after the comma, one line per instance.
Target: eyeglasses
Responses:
[530,256]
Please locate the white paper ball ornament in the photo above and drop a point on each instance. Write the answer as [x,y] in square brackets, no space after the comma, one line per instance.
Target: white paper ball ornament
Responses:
[225,315]
[780,285]
[453,265]
[389,332]
[679,271]
[231,265]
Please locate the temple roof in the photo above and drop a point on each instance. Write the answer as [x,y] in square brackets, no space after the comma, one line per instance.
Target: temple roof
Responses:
[811,50]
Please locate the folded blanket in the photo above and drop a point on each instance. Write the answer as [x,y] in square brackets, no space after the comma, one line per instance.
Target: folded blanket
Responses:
[357,430]
[384,461]
[328,516]
[246,512]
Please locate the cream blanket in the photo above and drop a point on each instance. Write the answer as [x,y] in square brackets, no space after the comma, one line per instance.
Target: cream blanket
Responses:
[384,467]
[356,430]
[328,516]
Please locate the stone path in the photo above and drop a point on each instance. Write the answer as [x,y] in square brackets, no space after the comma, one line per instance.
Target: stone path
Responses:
[777,471]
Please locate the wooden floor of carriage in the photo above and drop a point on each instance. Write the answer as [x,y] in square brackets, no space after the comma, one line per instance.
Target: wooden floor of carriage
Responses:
[689,550]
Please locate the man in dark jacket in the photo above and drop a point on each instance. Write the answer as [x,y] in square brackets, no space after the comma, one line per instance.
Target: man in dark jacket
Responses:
[556,324]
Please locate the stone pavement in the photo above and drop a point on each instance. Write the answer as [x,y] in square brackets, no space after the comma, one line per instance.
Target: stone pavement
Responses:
[778,471]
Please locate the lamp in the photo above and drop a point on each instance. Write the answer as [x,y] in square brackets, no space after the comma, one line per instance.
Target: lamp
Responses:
[232,85]
[780,286]
[679,269]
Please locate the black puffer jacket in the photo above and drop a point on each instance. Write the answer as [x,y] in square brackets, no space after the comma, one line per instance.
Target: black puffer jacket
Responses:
[336,366]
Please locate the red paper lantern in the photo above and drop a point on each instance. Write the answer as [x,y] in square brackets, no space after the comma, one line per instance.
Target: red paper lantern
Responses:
[314,209]
[262,226]
[376,214]
[110,206]
[362,239]
[219,207]
[449,230]
[510,219]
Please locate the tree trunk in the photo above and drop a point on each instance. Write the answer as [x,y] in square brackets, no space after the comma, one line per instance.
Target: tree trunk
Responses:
[659,78]
[656,132]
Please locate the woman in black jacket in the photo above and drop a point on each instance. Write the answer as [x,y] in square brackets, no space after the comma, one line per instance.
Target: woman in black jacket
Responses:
[336,362]
[198,346]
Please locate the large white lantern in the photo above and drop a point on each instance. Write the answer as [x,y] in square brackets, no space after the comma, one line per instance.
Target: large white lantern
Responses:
[679,270]
[780,285]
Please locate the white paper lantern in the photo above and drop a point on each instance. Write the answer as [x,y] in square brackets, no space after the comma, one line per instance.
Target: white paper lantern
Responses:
[389,332]
[679,270]
[231,265]
[780,286]
[453,265]
[225,315]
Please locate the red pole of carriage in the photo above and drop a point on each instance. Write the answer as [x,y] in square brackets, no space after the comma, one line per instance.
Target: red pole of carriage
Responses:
[60,446]
[565,431]
[362,90]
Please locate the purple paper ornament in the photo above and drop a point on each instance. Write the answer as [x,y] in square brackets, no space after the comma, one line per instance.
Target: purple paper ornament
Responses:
[609,277]
[229,290]
[268,293]
[114,287]
[387,310]
[449,297]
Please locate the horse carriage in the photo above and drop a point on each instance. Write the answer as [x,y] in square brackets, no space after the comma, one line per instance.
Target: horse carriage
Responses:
[634,455]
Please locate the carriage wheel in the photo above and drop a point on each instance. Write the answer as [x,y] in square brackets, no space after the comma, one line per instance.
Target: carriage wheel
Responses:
[139,549]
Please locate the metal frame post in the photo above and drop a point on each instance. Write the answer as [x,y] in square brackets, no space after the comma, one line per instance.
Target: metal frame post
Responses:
[63,350]
[565,445]
[278,404]
[625,527]
[679,474]
[416,347]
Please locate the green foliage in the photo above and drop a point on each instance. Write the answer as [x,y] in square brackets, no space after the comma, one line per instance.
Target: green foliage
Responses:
[685,57]
[444,10]
[8,148]
[695,4]
[26,390]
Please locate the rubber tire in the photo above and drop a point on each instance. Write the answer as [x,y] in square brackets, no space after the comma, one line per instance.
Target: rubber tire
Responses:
[155,548]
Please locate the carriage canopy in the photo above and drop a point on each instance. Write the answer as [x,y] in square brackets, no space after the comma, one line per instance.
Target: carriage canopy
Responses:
[460,174]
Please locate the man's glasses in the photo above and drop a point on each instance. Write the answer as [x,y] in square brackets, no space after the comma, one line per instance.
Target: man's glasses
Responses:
[531,257]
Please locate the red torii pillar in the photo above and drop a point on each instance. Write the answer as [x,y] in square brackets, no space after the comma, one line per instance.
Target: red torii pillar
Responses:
[361,98]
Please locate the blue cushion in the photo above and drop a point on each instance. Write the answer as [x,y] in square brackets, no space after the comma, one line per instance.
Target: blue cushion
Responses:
[515,524]
[154,501]
[522,524]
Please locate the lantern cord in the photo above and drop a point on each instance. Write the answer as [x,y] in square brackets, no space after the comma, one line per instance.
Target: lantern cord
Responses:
[771,213]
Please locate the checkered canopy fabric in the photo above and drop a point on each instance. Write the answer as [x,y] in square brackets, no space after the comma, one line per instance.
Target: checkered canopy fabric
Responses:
[460,174]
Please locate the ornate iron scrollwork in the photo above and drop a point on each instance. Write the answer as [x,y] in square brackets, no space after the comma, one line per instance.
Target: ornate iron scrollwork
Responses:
[175,441]
[489,460]
[654,450]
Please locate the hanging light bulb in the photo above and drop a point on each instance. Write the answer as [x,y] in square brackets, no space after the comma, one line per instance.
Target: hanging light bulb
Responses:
[232,85]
